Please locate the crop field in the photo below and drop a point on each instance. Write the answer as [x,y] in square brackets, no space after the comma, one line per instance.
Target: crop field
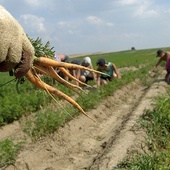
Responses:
[131,128]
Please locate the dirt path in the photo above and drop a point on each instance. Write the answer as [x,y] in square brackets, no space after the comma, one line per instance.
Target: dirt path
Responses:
[84,145]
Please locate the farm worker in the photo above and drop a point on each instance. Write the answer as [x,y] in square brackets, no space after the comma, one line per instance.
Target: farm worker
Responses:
[85,74]
[108,68]
[16,51]
[62,58]
[163,56]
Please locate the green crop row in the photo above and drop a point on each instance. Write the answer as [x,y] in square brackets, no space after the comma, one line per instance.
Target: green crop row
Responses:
[17,101]
[8,152]
[157,125]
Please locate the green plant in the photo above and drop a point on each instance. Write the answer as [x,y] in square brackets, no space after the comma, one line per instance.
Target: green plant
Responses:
[156,123]
[44,123]
[8,152]
[41,49]
[142,161]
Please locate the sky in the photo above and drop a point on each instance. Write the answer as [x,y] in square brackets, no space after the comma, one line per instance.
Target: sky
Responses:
[90,26]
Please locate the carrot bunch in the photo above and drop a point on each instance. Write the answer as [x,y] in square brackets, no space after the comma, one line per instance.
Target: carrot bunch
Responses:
[46,66]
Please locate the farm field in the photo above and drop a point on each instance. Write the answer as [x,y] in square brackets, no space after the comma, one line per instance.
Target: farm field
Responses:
[79,143]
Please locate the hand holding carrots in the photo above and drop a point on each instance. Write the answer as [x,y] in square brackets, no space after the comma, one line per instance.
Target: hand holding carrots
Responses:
[16,51]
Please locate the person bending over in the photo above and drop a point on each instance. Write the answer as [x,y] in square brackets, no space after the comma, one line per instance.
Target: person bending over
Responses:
[163,56]
[85,74]
[109,69]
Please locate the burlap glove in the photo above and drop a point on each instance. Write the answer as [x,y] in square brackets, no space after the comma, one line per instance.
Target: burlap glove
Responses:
[16,51]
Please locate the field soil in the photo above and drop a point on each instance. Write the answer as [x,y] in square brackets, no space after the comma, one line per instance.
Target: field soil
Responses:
[86,145]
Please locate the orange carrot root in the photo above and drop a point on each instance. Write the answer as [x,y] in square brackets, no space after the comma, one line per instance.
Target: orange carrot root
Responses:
[42,85]
[49,71]
[54,63]
[62,69]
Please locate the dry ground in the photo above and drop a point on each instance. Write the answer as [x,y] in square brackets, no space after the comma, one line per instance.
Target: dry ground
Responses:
[84,145]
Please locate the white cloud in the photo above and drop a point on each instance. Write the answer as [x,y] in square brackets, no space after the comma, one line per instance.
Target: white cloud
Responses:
[70,32]
[33,22]
[167,11]
[144,12]
[94,20]
[41,4]
[109,24]
[34,2]
[128,2]
[62,24]
[143,8]
[129,35]
[66,27]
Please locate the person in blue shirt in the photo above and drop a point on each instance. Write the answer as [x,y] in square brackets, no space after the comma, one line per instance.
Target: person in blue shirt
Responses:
[108,68]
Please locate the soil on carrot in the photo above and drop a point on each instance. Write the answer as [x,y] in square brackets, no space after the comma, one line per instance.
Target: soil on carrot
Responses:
[84,145]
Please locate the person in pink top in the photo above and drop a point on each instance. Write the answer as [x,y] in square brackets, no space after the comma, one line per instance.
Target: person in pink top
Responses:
[62,58]
[163,56]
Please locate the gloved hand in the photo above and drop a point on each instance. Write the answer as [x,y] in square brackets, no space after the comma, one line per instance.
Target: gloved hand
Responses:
[16,51]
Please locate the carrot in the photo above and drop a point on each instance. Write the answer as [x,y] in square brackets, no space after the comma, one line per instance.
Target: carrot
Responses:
[54,63]
[49,71]
[62,69]
[42,85]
